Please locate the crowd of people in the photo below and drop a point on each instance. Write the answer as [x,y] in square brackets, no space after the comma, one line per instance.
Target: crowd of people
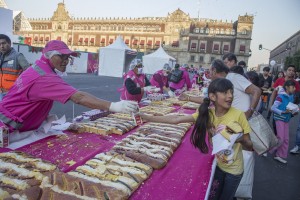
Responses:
[232,95]
[231,91]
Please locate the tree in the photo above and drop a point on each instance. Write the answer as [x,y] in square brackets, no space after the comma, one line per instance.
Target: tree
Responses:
[293,60]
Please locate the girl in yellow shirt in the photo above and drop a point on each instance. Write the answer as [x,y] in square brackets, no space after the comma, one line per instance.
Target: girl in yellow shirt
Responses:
[229,169]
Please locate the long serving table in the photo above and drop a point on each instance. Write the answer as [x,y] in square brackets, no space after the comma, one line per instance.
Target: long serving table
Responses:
[186,175]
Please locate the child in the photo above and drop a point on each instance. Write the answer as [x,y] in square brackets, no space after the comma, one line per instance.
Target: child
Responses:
[198,78]
[229,173]
[282,117]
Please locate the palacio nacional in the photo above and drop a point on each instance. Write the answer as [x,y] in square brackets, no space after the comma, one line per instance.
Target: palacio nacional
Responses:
[189,40]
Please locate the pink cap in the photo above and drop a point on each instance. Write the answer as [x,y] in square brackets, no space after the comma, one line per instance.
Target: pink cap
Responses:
[60,46]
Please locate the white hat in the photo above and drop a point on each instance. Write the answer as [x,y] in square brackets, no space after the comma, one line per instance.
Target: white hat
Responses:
[167,67]
[134,63]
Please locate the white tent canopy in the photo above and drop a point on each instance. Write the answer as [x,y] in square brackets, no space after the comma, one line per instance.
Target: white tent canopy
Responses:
[78,65]
[156,60]
[115,59]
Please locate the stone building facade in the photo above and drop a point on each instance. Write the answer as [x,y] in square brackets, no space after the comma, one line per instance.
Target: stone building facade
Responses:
[189,40]
[287,48]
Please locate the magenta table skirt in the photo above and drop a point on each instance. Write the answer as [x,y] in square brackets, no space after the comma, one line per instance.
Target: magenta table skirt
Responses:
[186,176]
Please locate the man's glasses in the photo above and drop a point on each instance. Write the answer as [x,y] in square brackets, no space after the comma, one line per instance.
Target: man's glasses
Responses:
[65,57]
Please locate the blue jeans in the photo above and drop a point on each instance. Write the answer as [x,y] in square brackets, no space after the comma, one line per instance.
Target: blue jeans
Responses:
[298,135]
[224,185]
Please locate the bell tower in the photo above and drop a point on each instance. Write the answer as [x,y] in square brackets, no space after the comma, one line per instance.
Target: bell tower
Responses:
[60,23]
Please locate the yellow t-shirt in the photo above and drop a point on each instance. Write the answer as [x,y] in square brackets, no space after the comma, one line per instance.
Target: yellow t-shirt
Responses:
[230,162]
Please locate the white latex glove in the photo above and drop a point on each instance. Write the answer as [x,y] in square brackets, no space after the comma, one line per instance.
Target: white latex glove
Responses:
[171,94]
[124,106]
[148,88]
[156,89]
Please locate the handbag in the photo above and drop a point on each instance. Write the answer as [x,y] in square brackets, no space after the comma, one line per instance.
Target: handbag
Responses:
[262,135]
[245,187]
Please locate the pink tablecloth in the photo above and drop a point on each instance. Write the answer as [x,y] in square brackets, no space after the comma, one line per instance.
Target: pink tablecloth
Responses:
[70,150]
[3,150]
[186,176]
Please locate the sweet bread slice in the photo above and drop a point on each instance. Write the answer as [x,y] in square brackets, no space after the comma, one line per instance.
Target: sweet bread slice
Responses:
[80,188]
[234,127]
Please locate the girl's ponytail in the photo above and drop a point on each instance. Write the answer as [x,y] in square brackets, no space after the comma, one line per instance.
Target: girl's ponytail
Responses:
[203,123]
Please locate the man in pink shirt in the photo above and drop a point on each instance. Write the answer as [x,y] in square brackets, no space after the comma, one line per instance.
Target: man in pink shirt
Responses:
[31,98]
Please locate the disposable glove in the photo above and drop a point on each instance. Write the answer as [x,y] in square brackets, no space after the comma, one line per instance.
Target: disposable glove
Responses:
[124,106]
[148,88]
[171,94]
[156,89]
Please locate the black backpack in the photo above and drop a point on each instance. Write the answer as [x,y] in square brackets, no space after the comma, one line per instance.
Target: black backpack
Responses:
[176,76]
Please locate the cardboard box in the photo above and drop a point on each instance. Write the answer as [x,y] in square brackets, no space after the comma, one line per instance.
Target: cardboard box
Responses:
[137,119]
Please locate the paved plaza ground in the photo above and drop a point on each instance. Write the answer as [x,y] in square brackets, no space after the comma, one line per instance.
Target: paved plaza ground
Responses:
[272,181]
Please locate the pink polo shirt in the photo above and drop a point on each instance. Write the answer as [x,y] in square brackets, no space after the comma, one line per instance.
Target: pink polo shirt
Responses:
[31,98]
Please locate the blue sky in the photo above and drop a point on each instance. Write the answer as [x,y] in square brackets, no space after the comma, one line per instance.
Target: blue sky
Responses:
[274,20]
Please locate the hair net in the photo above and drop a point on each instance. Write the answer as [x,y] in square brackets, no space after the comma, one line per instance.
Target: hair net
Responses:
[167,67]
[49,54]
[134,63]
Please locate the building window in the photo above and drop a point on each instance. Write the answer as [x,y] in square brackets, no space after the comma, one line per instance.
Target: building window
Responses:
[211,31]
[212,59]
[242,48]
[217,31]
[201,58]
[193,46]
[244,32]
[201,30]
[80,41]
[227,32]
[222,31]
[196,30]
[157,43]
[216,48]
[192,58]
[175,44]
[207,30]
[92,41]
[149,43]
[225,48]
[202,47]
[232,32]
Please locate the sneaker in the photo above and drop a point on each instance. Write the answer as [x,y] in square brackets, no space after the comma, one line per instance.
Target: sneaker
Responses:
[280,160]
[295,150]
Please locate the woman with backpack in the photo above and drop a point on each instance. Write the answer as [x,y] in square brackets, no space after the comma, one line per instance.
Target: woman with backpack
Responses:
[180,78]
